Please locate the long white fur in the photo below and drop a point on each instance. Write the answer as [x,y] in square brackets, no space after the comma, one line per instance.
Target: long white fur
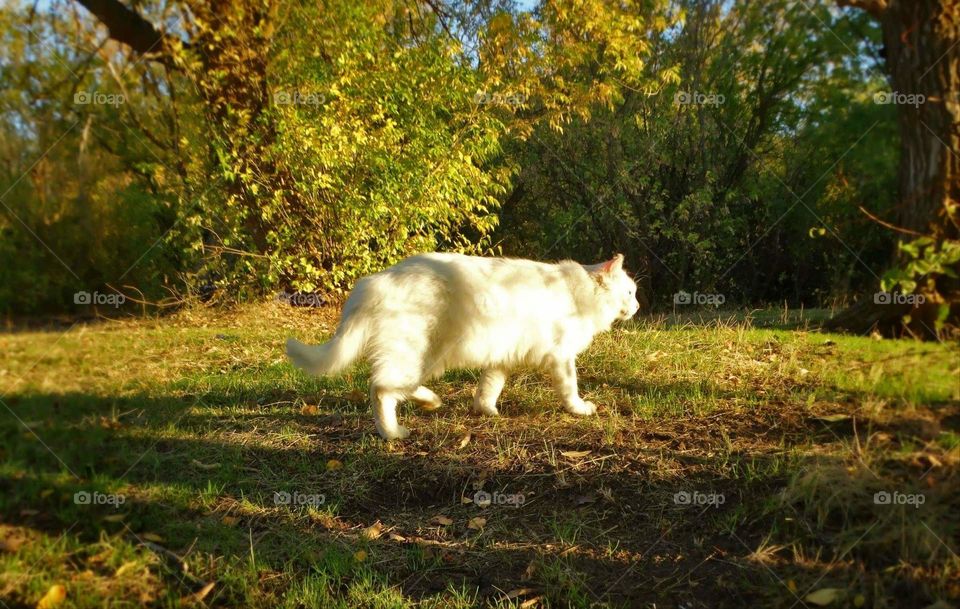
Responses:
[434,312]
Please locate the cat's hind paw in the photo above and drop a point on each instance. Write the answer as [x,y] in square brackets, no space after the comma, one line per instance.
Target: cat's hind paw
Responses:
[428,406]
[583,408]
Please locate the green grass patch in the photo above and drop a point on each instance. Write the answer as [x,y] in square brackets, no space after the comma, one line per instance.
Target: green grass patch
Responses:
[734,461]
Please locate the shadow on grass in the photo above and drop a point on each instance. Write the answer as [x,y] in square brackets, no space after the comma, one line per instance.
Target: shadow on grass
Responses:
[680,524]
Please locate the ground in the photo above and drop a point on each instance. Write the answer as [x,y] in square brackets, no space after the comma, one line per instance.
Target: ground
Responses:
[742,462]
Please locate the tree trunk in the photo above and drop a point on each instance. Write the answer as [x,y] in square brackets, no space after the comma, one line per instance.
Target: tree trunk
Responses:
[923,60]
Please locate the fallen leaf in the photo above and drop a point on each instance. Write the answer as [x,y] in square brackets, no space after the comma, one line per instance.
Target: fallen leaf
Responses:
[54,596]
[441,520]
[465,500]
[230,520]
[207,466]
[792,586]
[334,464]
[530,602]
[309,409]
[575,454]
[11,544]
[465,440]
[824,596]
[114,518]
[46,493]
[477,523]
[397,537]
[373,531]
[152,537]
[360,555]
[833,418]
[198,596]
[519,592]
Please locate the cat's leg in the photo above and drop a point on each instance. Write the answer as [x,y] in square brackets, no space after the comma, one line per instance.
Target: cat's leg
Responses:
[425,399]
[385,413]
[488,390]
[564,372]
[393,377]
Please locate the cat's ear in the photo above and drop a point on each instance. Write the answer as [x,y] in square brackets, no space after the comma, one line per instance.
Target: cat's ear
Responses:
[614,265]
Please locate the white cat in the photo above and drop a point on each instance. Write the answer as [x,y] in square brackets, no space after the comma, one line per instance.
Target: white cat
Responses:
[433,312]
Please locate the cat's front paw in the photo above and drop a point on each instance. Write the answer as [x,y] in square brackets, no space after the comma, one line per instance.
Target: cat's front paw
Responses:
[486,409]
[582,408]
[396,433]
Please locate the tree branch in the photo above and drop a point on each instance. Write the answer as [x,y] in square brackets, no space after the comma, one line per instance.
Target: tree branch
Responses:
[874,7]
[441,17]
[127,26]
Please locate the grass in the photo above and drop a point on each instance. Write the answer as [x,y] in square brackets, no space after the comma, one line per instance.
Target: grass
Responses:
[183,462]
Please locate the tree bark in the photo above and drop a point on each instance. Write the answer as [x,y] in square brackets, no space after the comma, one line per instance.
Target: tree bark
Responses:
[923,59]
[922,40]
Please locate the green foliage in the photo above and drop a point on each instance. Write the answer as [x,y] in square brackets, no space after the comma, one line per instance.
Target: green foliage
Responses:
[741,171]
[83,197]
[927,267]
[722,146]
[384,146]
[923,258]
[379,134]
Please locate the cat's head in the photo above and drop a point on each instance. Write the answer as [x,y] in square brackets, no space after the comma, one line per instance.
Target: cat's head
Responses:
[618,291]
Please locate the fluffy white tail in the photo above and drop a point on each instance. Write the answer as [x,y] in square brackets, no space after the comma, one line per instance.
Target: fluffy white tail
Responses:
[329,358]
